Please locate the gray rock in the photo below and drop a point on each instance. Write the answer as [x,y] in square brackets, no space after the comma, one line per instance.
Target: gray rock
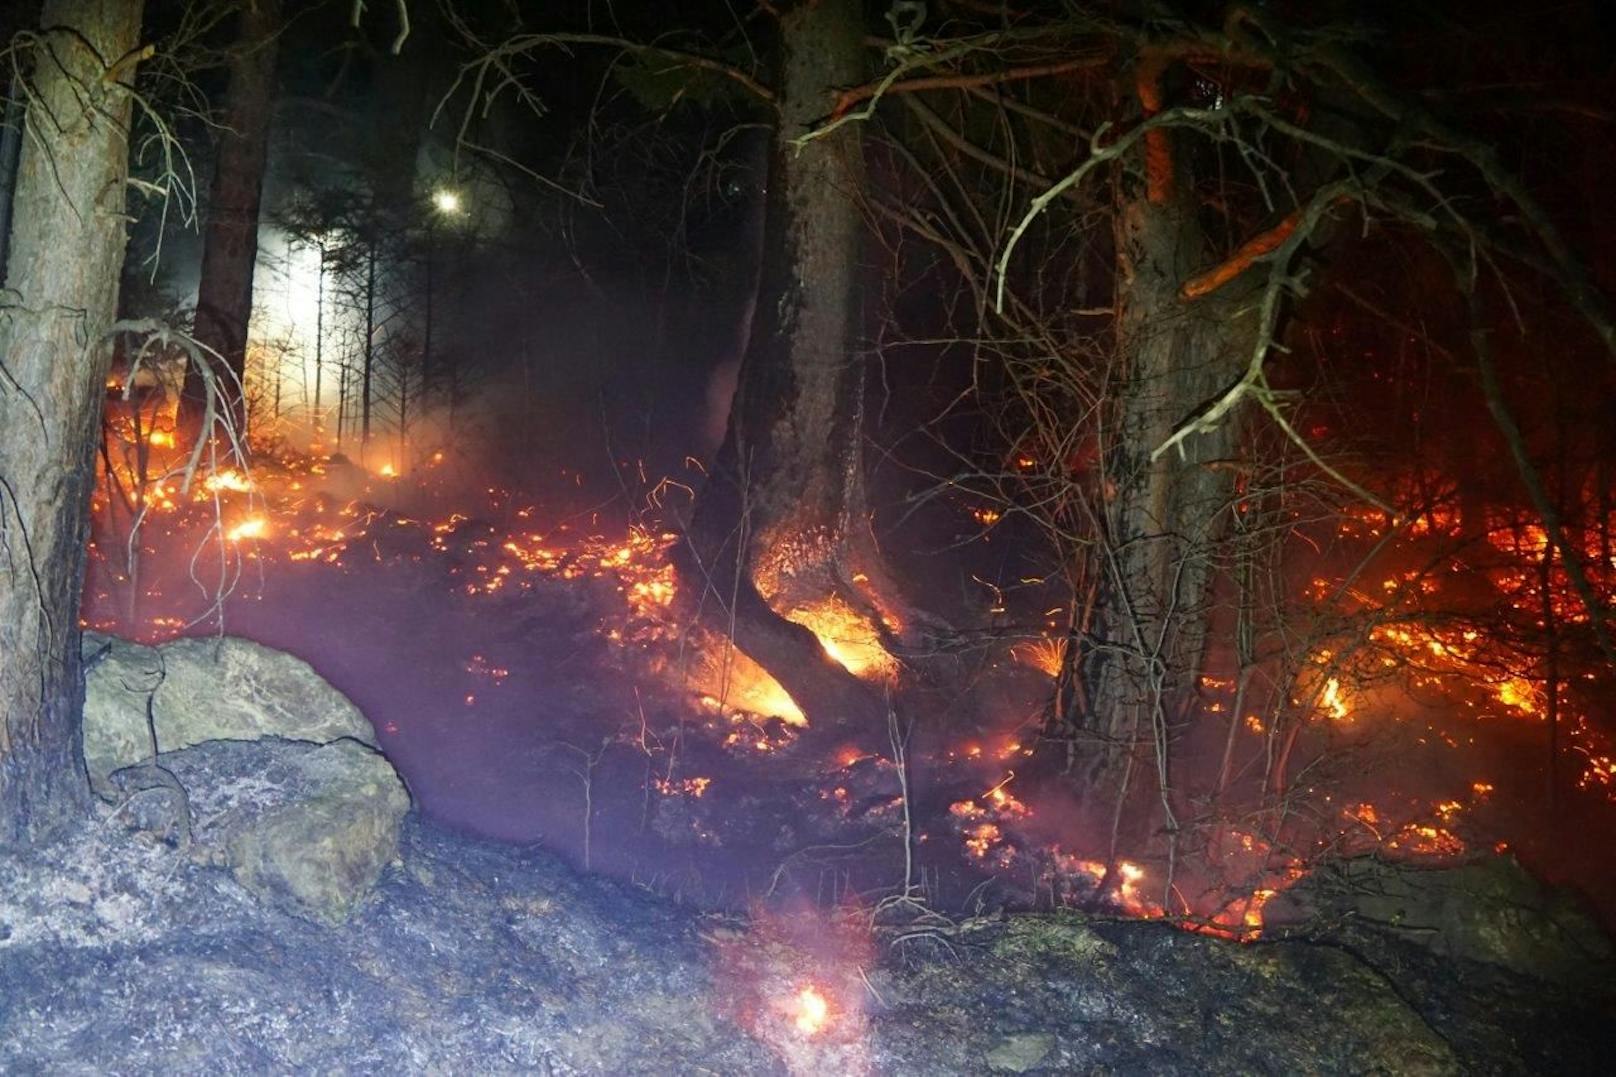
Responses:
[1020,1052]
[307,828]
[119,679]
[201,690]
[1488,910]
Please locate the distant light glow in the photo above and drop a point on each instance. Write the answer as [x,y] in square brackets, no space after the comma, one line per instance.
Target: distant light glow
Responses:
[446,200]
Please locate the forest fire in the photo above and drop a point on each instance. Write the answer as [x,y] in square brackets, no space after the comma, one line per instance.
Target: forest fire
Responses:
[295,522]
[842,490]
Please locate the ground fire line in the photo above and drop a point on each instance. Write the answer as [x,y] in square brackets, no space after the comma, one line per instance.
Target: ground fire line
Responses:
[307,513]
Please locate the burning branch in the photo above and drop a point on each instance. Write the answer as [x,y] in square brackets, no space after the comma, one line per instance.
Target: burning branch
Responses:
[1245,256]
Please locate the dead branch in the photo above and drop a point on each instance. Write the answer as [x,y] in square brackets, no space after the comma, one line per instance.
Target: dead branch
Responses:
[848,98]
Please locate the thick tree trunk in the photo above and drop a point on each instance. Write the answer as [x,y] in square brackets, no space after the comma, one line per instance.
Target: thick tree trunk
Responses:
[1149,629]
[67,249]
[782,516]
[230,240]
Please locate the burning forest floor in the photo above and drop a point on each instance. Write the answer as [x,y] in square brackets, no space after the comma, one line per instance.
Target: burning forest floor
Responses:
[527,672]
[119,954]
[923,898]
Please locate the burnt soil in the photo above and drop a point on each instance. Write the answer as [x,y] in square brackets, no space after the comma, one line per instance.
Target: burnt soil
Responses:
[120,955]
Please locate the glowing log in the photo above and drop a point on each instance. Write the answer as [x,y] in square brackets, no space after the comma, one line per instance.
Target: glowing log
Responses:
[847,636]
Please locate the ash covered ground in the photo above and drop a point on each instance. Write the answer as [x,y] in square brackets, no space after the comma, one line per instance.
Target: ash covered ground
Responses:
[117,954]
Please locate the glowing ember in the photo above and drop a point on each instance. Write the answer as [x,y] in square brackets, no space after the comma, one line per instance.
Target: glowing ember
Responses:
[255,527]
[982,838]
[812,1011]
[686,787]
[225,480]
[1518,693]
[1331,701]
[1047,656]
[847,636]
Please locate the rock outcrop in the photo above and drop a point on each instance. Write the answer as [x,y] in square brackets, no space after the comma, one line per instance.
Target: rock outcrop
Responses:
[1489,910]
[306,827]
[196,690]
[260,767]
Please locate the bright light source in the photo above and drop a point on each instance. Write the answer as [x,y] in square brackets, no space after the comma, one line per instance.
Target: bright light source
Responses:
[812,1011]
[446,201]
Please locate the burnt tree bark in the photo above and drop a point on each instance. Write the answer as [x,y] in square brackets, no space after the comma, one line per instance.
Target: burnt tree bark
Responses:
[783,514]
[67,248]
[230,240]
[1149,627]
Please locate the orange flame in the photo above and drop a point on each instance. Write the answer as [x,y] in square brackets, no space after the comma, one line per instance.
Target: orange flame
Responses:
[812,1011]
[254,527]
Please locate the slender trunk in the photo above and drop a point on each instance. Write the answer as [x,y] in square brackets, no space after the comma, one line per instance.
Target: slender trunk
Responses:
[426,330]
[230,240]
[1551,672]
[370,350]
[403,415]
[67,248]
[10,155]
[342,402]
[1604,506]
[319,341]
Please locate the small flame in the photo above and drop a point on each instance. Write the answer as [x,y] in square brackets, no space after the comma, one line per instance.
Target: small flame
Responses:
[812,1011]
[228,479]
[1333,702]
[847,636]
[253,528]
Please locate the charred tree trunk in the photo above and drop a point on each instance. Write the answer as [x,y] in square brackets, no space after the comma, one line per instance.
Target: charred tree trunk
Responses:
[230,241]
[1144,649]
[783,513]
[67,249]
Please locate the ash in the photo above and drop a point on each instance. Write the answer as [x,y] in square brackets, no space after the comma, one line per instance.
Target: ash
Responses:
[119,954]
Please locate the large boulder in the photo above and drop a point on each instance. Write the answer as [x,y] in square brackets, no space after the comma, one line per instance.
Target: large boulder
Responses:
[1490,909]
[305,827]
[119,679]
[193,690]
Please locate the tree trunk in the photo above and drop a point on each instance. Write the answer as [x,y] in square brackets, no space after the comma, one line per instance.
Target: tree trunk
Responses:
[67,250]
[1144,648]
[782,516]
[10,154]
[370,348]
[317,423]
[230,240]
